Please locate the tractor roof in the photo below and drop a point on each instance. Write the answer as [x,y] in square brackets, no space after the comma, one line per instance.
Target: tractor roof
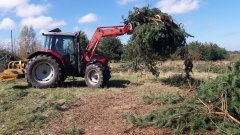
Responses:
[59,34]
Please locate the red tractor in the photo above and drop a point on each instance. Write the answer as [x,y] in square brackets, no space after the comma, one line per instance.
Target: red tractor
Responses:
[62,56]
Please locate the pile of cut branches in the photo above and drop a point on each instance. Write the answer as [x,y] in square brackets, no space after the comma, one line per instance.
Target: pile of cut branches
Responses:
[156,36]
[216,107]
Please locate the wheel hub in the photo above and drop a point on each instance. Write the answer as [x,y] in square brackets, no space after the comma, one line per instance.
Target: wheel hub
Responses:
[43,72]
[93,77]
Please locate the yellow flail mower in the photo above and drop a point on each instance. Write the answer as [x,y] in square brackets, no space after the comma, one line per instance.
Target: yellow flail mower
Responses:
[15,70]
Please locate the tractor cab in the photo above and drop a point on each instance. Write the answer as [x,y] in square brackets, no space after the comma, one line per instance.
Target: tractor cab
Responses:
[65,46]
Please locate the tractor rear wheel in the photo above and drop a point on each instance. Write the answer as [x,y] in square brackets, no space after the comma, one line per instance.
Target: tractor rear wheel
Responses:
[96,76]
[43,72]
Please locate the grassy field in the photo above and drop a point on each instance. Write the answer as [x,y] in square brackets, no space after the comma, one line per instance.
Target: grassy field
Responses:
[26,110]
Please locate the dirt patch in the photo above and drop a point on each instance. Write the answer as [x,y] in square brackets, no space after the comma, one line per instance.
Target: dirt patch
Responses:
[103,114]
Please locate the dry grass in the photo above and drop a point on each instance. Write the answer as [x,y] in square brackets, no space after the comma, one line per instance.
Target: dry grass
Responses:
[170,68]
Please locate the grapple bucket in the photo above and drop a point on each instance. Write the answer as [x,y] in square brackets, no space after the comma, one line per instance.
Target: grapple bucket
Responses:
[16,69]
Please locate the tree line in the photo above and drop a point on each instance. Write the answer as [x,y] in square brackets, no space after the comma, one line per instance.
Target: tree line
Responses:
[196,50]
[115,50]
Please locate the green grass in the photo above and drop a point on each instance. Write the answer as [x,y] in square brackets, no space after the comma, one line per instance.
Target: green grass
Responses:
[24,109]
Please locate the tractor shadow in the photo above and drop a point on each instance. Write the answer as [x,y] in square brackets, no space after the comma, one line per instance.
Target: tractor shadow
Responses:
[73,84]
[68,84]
[111,84]
[21,87]
[118,83]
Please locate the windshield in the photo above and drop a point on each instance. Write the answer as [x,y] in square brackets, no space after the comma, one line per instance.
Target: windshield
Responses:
[59,43]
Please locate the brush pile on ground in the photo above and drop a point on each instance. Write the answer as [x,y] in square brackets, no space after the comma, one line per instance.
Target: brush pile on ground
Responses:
[6,57]
[216,107]
[155,37]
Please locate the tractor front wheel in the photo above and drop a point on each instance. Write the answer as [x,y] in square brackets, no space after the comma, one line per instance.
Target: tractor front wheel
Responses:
[96,76]
[43,72]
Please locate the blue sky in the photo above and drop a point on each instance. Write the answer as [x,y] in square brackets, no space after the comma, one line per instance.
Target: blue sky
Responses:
[208,20]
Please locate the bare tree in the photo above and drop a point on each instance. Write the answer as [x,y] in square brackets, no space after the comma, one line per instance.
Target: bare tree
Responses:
[28,42]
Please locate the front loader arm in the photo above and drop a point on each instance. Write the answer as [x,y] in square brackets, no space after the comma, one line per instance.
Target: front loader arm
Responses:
[110,31]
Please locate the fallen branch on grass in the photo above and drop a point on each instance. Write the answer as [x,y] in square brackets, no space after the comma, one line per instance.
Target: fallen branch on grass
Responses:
[223,111]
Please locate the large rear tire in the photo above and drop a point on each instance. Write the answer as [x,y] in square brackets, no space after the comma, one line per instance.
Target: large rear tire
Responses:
[96,76]
[43,72]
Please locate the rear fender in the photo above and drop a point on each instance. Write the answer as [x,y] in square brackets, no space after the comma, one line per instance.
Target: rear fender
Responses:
[50,53]
[98,59]
[94,61]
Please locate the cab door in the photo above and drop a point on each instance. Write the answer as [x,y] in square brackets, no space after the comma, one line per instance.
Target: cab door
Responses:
[66,48]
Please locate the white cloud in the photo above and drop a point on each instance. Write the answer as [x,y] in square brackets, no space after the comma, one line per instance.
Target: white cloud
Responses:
[88,18]
[27,10]
[178,6]
[124,2]
[9,4]
[7,24]
[42,22]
